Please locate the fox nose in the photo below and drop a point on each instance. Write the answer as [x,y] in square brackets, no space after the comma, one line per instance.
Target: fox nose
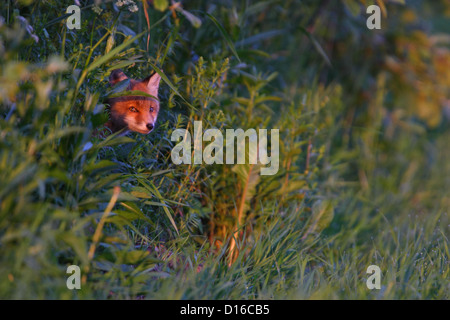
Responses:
[150,126]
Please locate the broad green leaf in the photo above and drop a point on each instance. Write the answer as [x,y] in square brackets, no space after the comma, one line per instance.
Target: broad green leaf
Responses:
[78,244]
[132,257]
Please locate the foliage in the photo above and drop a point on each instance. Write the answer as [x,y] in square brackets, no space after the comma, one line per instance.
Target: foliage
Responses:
[363,178]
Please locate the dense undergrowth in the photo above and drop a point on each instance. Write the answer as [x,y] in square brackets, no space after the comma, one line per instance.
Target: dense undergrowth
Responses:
[364,172]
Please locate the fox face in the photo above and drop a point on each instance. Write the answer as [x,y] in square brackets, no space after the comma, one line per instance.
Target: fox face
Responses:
[135,113]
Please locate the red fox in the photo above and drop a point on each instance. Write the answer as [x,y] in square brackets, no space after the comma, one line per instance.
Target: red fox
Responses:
[134,113]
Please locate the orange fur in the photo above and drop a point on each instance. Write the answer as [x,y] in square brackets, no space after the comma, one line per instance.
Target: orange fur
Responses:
[134,113]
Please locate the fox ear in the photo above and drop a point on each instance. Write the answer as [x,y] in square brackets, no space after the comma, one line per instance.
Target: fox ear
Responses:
[152,83]
[116,76]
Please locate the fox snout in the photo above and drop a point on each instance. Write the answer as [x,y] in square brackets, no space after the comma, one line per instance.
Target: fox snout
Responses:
[135,113]
[140,117]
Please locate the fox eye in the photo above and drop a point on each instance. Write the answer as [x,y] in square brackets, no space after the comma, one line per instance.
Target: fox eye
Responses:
[151,109]
[133,109]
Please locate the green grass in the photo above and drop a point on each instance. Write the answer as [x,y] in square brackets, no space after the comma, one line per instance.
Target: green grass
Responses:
[364,171]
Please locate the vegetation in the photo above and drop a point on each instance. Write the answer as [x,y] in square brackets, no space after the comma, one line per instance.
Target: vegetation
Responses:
[364,173]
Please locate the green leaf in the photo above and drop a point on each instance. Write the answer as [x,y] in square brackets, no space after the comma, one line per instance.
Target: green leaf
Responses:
[224,34]
[249,175]
[353,6]
[110,42]
[131,93]
[131,216]
[169,83]
[322,215]
[77,244]
[149,186]
[195,21]
[260,37]
[57,134]
[113,140]
[100,166]
[267,98]
[317,46]
[161,5]
[105,58]
[132,257]
[125,63]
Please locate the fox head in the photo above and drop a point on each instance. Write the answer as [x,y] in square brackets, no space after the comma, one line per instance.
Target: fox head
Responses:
[135,113]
